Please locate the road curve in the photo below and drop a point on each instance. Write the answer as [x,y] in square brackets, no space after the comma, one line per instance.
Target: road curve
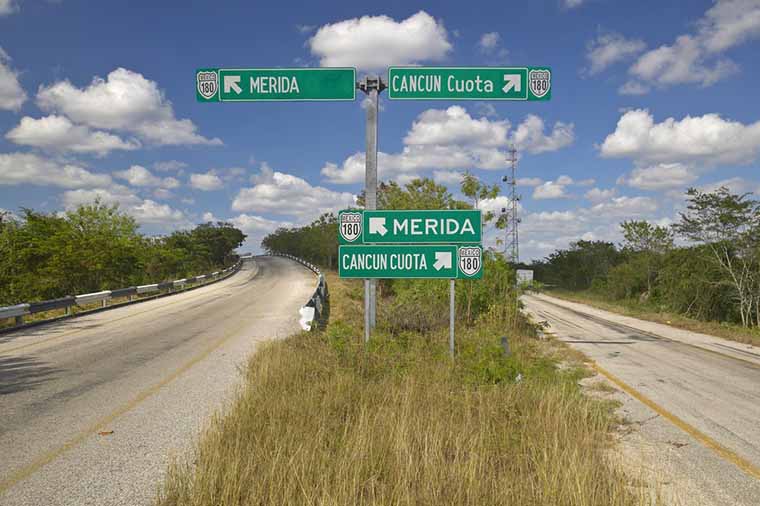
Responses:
[696,398]
[93,408]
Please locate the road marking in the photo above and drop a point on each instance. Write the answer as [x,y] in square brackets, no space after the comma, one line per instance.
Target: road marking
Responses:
[592,317]
[700,436]
[74,331]
[697,434]
[51,455]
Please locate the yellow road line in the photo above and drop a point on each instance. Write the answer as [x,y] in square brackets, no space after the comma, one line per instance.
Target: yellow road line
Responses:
[700,436]
[74,331]
[745,361]
[51,455]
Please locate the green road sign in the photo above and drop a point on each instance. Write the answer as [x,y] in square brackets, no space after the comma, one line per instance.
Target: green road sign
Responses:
[404,227]
[257,85]
[469,83]
[446,261]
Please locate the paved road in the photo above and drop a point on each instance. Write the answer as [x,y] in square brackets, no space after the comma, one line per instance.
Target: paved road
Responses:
[710,384]
[152,373]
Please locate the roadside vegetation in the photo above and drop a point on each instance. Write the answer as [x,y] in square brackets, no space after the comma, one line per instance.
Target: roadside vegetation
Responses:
[98,247]
[323,419]
[710,283]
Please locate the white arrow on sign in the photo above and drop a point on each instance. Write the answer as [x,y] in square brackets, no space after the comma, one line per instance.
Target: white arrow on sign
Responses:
[513,81]
[442,260]
[377,226]
[231,83]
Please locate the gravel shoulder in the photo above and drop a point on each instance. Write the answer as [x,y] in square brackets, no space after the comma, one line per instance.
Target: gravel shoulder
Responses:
[709,384]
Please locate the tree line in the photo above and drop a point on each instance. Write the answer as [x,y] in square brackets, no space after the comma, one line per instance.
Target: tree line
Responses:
[98,247]
[706,265]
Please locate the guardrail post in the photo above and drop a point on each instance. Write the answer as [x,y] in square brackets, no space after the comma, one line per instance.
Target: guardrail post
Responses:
[68,311]
[18,320]
[104,303]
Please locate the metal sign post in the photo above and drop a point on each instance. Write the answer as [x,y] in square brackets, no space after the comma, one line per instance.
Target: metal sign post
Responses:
[372,86]
[452,310]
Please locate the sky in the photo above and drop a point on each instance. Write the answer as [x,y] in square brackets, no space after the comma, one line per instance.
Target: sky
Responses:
[649,98]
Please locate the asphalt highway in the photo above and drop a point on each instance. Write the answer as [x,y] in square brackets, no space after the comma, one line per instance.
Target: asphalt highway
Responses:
[92,409]
[693,399]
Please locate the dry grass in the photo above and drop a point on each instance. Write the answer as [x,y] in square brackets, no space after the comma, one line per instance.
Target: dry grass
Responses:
[322,420]
[631,308]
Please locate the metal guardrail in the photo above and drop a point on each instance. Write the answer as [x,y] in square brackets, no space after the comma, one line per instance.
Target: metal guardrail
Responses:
[18,311]
[316,309]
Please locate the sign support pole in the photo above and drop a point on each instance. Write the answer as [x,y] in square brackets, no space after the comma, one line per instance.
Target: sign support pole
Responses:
[372,86]
[452,310]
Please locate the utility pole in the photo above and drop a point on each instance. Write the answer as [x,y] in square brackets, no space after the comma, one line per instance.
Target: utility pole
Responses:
[511,217]
[371,86]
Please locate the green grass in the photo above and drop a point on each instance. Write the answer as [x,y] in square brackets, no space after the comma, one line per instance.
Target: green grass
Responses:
[323,420]
[630,307]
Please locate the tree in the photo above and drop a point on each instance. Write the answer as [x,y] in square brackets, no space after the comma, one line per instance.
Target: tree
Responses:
[473,188]
[420,193]
[579,266]
[729,225]
[648,242]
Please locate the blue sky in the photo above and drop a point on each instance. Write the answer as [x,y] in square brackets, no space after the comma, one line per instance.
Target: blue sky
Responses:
[97,99]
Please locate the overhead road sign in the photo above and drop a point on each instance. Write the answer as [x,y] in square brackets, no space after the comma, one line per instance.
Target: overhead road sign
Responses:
[469,83]
[419,261]
[283,84]
[405,227]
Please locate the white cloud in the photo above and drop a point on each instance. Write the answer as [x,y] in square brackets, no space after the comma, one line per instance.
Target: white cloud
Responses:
[708,139]
[729,23]
[529,181]
[209,216]
[610,48]
[447,177]
[448,139]
[530,135]
[124,101]
[257,225]
[490,44]
[454,126]
[633,88]
[58,133]
[206,182]
[598,195]
[285,194]
[12,95]
[8,7]
[138,175]
[572,4]
[169,166]
[625,207]
[163,194]
[696,58]
[305,28]
[489,41]
[557,189]
[28,168]
[549,190]
[146,211]
[496,204]
[682,62]
[734,184]
[356,42]
[663,176]
[256,228]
